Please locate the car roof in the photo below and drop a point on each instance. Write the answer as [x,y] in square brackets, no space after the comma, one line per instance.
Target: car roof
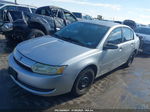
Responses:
[54,7]
[101,22]
[14,4]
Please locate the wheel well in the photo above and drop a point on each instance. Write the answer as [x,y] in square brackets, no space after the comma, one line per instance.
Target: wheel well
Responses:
[36,25]
[94,67]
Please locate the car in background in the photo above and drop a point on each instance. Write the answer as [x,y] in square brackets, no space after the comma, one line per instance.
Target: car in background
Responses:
[130,23]
[144,35]
[5,7]
[16,7]
[72,58]
[46,21]
[82,16]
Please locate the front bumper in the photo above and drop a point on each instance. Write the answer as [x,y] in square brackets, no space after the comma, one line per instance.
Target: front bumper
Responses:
[43,85]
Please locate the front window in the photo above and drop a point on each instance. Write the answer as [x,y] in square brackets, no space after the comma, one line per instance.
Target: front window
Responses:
[69,17]
[115,36]
[84,34]
[145,31]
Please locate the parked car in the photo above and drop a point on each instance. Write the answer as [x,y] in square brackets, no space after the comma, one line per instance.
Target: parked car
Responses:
[8,6]
[144,34]
[46,21]
[130,23]
[82,16]
[72,58]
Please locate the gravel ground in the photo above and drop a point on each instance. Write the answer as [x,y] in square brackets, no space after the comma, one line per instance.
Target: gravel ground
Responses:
[120,89]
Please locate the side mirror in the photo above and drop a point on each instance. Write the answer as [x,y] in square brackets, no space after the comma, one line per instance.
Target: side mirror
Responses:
[110,46]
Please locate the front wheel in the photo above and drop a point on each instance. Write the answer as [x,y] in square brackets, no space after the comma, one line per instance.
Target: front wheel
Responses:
[35,33]
[83,82]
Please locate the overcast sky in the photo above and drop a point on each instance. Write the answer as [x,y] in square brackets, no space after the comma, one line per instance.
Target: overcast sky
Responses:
[138,10]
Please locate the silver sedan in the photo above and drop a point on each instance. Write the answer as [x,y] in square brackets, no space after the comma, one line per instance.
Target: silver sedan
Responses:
[72,58]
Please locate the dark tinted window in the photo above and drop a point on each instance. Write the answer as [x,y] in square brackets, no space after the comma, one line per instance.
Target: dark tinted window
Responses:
[43,11]
[86,34]
[78,15]
[33,10]
[16,15]
[23,9]
[69,17]
[145,31]
[127,34]
[115,36]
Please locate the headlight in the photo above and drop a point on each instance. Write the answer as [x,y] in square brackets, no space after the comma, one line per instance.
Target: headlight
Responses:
[7,27]
[47,69]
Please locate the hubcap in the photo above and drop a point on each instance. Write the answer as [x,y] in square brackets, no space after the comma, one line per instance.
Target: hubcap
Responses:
[84,82]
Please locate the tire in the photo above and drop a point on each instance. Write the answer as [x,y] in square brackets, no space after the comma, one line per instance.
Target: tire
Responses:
[83,82]
[35,33]
[130,60]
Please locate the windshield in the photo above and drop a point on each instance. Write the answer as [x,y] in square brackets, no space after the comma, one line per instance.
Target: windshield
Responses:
[85,34]
[145,31]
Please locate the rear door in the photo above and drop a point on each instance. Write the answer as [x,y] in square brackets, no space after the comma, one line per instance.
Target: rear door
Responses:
[128,43]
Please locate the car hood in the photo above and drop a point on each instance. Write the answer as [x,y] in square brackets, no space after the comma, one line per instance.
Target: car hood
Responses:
[145,37]
[50,50]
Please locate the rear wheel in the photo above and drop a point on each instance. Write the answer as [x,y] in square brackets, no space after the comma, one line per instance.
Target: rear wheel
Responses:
[35,33]
[83,82]
[130,60]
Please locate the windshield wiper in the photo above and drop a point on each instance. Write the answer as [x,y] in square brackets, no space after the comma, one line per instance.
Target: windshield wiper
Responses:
[73,40]
[70,40]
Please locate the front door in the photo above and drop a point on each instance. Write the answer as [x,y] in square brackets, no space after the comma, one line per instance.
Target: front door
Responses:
[111,58]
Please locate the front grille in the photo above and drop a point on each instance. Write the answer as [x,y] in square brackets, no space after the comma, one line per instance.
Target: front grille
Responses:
[22,65]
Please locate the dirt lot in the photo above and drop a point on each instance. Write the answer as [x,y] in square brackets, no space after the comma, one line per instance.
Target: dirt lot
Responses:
[121,89]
